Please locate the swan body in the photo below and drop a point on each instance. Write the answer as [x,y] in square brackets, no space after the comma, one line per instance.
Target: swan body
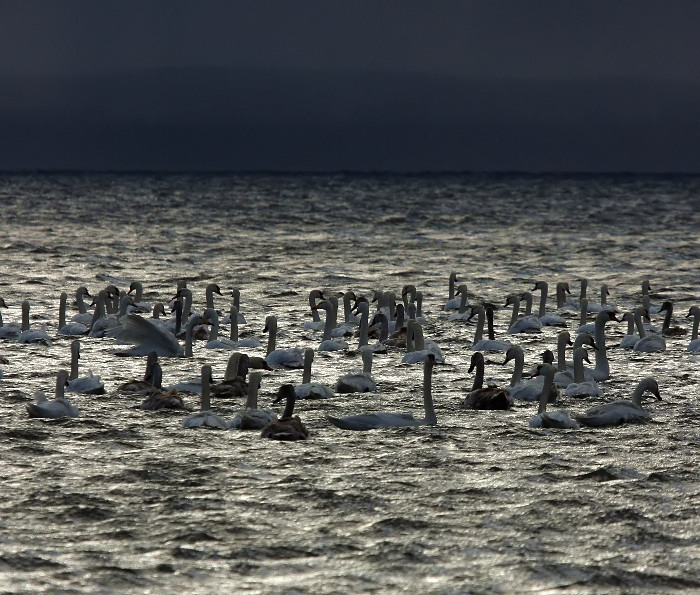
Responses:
[358,382]
[164,400]
[8,331]
[370,421]
[205,418]
[480,397]
[623,411]
[31,335]
[148,336]
[481,344]
[58,407]
[289,427]
[530,390]
[651,343]
[545,318]
[526,324]
[421,350]
[580,387]
[453,303]
[559,419]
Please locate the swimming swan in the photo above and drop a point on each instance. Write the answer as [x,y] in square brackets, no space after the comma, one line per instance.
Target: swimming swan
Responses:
[205,418]
[544,318]
[480,397]
[358,382]
[481,344]
[308,389]
[328,343]
[72,328]
[29,335]
[648,343]
[280,358]
[530,390]
[526,324]
[87,385]
[453,302]
[554,419]
[667,330]
[580,387]
[623,411]
[371,421]
[315,324]
[8,331]
[289,427]
[419,350]
[250,417]
[58,407]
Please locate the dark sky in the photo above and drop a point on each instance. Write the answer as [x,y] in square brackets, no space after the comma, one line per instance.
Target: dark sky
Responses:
[328,85]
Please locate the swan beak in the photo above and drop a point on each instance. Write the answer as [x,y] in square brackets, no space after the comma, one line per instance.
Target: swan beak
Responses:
[658,396]
[594,346]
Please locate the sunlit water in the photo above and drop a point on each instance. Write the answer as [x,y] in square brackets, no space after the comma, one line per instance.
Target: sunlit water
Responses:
[124,499]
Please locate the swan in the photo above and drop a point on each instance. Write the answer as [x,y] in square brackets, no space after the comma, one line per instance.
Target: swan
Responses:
[622,411]
[87,385]
[138,304]
[233,336]
[83,316]
[481,344]
[164,400]
[236,298]
[73,328]
[58,407]
[349,319]
[420,317]
[564,303]
[252,418]
[452,302]
[604,293]
[580,387]
[420,350]
[289,426]
[372,421]
[544,318]
[327,343]
[530,390]
[214,342]
[694,344]
[149,336]
[8,331]
[280,358]
[29,335]
[491,397]
[152,380]
[584,326]
[651,343]
[234,384]
[667,330]
[205,418]
[101,323]
[316,324]
[308,389]
[378,320]
[555,419]
[526,324]
[565,369]
[358,382]
[461,313]
[601,371]
[408,294]
[629,340]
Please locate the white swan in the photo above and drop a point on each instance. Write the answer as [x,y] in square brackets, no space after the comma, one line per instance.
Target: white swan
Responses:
[554,419]
[452,302]
[694,344]
[72,328]
[526,324]
[420,350]
[214,342]
[205,418]
[564,303]
[623,411]
[280,358]
[289,426]
[544,318]
[328,343]
[584,325]
[379,320]
[601,371]
[87,385]
[11,330]
[529,390]
[149,336]
[138,304]
[631,338]
[651,343]
[646,288]
[236,297]
[58,407]
[565,368]
[463,311]
[102,322]
[29,335]
[250,417]
[372,421]
[83,316]
[315,324]
[580,387]
[308,389]
[358,382]
[481,344]
[604,293]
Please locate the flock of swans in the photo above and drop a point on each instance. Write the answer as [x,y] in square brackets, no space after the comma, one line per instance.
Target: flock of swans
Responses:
[395,326]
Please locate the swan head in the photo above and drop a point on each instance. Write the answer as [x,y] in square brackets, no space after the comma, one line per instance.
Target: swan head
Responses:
[545,370]
[512,353]
[606,315]
[649,384]
[134,285]
[694,311]
[477,310]
[358,302]
[82,291]
[112,291]
[548,356]
[540,285]
[2,303]
[410,288]
[270,323]
[286,391]
[324,305]
[564,285]
[477,360]
[213,288]
[512,299]
[667,305]
[461,289]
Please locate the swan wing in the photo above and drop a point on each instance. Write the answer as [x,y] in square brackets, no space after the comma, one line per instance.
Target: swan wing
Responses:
[148,337]
[371,421]
[613,414]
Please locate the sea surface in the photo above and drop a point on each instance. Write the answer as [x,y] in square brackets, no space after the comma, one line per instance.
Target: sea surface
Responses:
[125,500]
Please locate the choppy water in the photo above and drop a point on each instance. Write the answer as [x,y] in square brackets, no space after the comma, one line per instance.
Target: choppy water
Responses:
[125,500]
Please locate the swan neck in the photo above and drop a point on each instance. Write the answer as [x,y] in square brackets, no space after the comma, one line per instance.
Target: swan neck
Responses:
[60,385]
[479,378]
[543,298]
[584,312]
[234,323]
[25,316]
[74,356]
[214,322]
[601,357]
[289,406]
[384,329]
[451,286]
[253,386]
[561,352]
[308,359]
[479,332]
[514,315]
[330,323]
[578,365]
[430,417]
[347,306]
[206,395]
[367,357]
[544,395]
[232,366]
[364,328]
[418,340]
[630,325]
[312,304]
[527,296]
[188,337]
[61,311]
[696,326]
[463,302]
[517,376]
[489,320]
[272,335]
[667,319]
[640,325]
[80,302]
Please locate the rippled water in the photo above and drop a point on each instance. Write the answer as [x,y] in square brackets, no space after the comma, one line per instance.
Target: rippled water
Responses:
[126,500]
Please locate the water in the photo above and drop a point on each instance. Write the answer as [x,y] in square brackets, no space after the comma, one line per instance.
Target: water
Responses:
[125,500]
